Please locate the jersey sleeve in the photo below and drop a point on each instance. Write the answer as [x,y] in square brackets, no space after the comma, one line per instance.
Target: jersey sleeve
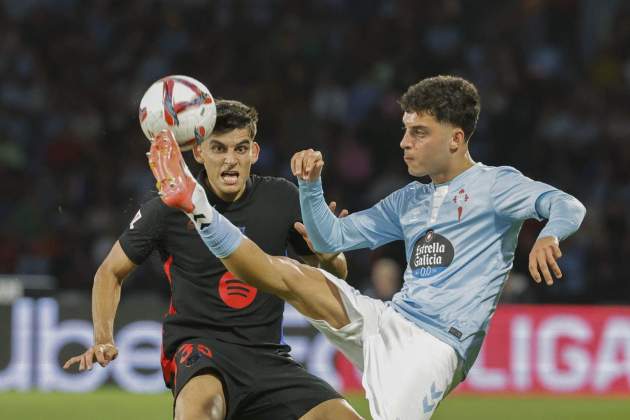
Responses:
[515,195]
[294,238]
[564,212]
[142,234]
[369,228]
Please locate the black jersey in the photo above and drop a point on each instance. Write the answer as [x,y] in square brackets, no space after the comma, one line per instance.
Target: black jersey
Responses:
[206,300]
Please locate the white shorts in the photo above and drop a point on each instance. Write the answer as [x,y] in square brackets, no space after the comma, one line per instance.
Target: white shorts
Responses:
[406,370]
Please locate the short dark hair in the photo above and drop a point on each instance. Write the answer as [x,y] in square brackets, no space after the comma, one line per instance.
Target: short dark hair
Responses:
[232,115]
[449,99]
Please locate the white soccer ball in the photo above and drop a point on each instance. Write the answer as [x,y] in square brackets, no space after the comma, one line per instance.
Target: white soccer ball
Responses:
[181,104]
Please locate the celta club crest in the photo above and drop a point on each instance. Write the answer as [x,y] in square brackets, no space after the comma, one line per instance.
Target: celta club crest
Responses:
[460,199]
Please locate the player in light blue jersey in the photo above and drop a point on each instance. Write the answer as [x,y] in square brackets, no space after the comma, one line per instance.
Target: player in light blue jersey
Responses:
[460,234]
[460,231]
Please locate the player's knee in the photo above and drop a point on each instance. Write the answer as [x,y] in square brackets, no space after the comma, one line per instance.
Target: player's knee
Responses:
[201,398]
[211,407]
[291,280]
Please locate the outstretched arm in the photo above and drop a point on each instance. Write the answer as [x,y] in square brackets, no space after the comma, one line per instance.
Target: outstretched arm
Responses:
[365,229]
[335,263]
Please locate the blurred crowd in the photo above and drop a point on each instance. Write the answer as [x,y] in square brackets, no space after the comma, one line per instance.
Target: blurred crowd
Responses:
[554,78]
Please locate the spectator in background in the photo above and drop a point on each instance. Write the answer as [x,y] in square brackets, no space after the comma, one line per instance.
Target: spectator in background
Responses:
[385,279]
[556,76]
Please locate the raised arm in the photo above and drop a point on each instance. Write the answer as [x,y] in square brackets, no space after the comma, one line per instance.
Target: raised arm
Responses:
[369,228]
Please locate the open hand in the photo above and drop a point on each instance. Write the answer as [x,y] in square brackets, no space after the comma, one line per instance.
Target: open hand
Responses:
[542,260]
[103,353]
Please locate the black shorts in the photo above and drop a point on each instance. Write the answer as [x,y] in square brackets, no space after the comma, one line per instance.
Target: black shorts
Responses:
[258,383]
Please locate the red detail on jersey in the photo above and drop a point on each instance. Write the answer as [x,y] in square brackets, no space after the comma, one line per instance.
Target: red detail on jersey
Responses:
[171,308]
[460,199]
[204,350]
[184,352]
[235,293]
[167,271]
[169,369]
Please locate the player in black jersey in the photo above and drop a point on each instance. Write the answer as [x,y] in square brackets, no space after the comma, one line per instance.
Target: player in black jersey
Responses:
[223,355]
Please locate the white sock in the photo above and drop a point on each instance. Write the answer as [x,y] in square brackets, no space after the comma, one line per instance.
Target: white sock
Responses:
[203,214]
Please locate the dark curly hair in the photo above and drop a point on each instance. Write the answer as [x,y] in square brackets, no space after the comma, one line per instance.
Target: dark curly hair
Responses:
[232,115]
[447,98]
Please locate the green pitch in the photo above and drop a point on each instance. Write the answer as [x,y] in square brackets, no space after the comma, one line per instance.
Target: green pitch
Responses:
[113,404]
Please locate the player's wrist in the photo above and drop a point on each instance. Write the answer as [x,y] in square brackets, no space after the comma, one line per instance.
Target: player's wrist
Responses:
[551,236]
[303,183]
[104,342]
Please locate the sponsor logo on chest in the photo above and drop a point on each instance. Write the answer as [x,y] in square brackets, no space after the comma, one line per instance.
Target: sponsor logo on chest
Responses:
[431,254]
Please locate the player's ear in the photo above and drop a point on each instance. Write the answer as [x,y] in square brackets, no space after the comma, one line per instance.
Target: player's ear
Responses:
[197,153]
[255,150]
[458,139]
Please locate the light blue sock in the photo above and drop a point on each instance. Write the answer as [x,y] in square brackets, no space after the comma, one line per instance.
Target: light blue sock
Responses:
[218,233]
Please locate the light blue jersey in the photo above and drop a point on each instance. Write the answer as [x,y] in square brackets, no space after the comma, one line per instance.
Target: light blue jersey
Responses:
[460,239]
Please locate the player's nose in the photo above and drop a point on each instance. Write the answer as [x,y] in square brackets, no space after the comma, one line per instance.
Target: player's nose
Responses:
[230,158]
[404,143]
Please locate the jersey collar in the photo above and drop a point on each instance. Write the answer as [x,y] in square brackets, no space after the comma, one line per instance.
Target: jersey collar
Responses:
[461,177]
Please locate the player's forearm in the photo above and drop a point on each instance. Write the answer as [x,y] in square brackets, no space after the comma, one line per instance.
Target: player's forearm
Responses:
[321,224]
[105,299]
[563,212]
[327,232]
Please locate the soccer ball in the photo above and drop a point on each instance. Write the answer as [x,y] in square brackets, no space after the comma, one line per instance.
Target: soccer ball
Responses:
[181,104]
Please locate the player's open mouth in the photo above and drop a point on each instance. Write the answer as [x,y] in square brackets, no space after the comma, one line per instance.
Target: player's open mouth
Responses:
[229,177]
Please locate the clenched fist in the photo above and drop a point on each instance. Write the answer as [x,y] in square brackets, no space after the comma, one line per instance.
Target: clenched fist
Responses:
[307,164]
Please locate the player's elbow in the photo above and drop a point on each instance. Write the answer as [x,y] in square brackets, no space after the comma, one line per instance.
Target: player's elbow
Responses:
[291,274]
[108,273]
[579,211]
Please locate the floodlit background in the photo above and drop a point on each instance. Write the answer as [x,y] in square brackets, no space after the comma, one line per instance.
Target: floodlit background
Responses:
[554,77]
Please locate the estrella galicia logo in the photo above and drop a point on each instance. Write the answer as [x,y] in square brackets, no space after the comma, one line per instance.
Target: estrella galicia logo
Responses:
[431,254]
